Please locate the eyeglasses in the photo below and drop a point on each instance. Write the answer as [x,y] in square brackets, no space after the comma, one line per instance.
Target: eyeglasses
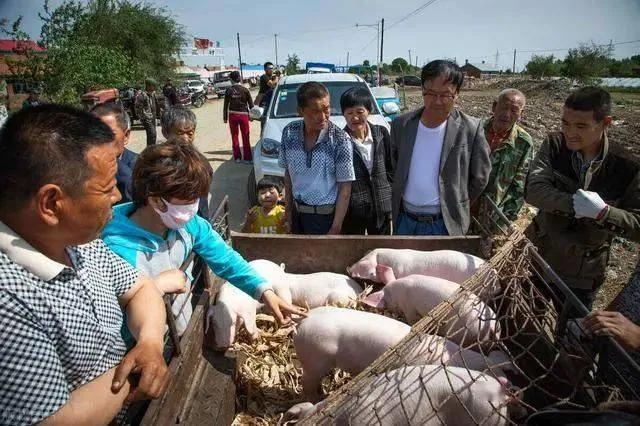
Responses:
[445,97]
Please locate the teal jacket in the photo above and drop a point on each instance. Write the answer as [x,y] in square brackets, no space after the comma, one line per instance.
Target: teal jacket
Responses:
[152,254]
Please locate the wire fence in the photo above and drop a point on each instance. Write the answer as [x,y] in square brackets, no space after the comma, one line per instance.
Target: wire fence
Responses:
[447,371]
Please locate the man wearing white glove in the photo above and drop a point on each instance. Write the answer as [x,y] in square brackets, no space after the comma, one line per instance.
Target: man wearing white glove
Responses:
[586,191]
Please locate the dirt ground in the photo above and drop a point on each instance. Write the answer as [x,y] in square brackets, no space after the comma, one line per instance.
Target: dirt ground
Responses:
[541,115]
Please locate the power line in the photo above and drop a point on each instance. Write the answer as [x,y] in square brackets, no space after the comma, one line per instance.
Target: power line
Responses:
[412,13]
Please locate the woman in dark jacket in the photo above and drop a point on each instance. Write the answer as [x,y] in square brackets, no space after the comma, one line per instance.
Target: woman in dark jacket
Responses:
[370,203]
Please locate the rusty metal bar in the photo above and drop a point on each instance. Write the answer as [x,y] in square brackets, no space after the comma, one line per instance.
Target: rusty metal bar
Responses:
[171,322]
[577,304]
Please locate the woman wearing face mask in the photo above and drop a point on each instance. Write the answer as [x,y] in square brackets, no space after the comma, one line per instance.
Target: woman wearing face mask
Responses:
[370,201]
[160,228]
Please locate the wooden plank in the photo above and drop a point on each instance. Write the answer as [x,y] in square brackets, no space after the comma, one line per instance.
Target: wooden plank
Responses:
[202,380]
[182,370]
[333,253]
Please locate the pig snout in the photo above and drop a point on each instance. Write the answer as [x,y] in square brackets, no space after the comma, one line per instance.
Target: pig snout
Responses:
[363,269]
[297,412]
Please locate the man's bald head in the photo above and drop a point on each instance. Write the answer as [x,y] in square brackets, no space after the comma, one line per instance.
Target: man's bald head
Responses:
[507,109]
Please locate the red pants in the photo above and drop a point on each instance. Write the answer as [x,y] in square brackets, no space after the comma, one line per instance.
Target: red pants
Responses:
[240,121]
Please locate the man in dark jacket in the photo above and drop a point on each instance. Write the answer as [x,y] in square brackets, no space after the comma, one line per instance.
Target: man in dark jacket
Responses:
[114,116]
[587,193]
[441,159]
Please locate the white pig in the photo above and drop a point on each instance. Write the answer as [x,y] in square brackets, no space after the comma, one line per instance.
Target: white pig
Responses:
[351,340]
[233,309]
[416,295]
[448,264]
[314,290]
[423,395]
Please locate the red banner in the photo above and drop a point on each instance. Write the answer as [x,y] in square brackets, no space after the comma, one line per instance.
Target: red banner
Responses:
[201,43]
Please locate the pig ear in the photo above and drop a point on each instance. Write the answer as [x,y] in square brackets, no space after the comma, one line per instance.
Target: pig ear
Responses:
[375,299]
[385,274]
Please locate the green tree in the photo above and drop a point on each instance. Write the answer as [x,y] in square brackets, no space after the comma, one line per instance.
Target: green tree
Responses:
[293,64]
[588,61]
[366,63]
[400,65]
[542,66]
[101,44]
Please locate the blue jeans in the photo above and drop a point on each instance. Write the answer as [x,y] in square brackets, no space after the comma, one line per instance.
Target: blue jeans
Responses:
[408,226]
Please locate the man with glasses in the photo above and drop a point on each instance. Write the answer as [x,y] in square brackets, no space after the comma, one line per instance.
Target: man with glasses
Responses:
[268,81]
[440,157]
[587,192]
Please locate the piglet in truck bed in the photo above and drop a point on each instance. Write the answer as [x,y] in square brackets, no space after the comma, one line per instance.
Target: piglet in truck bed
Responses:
[416,295]
[351,340]
[450,265]
[312,290]
[424,395]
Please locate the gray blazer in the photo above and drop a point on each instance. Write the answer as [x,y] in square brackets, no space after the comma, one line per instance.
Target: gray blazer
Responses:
[464,165]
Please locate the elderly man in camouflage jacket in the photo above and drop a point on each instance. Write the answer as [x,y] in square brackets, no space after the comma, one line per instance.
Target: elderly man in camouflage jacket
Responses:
[587,190]
[511,153]
[146,105]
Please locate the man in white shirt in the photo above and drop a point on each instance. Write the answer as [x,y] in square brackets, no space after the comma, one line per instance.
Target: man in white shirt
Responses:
[440,157]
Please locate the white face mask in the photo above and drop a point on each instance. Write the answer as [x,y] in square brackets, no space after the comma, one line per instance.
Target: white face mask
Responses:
[177,215]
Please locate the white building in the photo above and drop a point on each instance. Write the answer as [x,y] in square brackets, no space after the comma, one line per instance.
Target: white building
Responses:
[211,57]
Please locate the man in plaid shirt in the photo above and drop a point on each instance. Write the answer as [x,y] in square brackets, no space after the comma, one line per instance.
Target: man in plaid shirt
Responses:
[62,291]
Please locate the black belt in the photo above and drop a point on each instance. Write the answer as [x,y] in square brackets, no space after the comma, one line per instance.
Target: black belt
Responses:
[325,209]
[426,218]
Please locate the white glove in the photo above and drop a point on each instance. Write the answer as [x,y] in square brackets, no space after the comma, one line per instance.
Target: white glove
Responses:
[588,204]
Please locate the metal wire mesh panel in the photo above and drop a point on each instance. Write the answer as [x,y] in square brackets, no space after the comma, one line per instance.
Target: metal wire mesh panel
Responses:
[448,371]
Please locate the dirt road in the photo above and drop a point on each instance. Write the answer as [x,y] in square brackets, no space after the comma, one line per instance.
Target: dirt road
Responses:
[214,141]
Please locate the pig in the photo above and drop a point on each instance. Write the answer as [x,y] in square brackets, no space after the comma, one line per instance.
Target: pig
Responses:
[312,290]
[233,309]
[351,340]
[447,264]
[416,295]
[426,395]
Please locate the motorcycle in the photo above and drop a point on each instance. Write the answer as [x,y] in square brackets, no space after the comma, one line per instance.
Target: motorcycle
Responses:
[186,98]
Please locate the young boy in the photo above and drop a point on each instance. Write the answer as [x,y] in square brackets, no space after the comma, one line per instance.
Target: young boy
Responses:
[268,217]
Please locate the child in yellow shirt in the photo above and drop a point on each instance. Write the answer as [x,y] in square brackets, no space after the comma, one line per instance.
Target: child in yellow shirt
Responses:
[268,216]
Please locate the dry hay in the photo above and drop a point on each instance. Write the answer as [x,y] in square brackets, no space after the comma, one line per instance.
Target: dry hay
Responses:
[268,371]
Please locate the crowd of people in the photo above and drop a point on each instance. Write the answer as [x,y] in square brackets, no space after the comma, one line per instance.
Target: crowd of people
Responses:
[81,308]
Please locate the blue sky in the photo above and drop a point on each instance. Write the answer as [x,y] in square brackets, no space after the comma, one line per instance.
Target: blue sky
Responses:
[325,30]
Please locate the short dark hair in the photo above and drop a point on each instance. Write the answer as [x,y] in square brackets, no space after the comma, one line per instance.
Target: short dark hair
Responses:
[590,98]
[235,76]
[356,97]
[112,108]
[172,169]
[268,182]
[268,64]
[175,115]
[440,67]
[47,144]
[309,91]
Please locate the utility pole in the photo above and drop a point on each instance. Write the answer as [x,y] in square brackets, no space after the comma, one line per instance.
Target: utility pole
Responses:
[382,41]
[513,70]
[410,57]
[416,61]
[347,61]
[275,36]
[240,58]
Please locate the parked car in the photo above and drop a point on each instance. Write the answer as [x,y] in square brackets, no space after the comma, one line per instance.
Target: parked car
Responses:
[409,80]
[195,85]
[221,82]
[283,110]
[387,100]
